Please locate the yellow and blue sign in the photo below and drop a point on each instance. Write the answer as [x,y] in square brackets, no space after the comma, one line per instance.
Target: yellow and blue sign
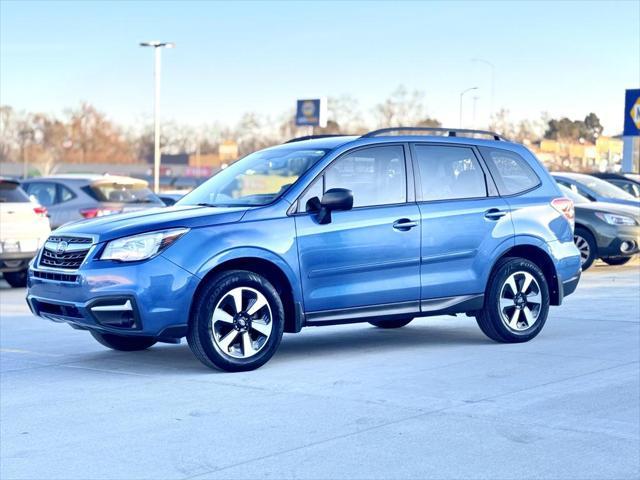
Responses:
[311,112]
[632,113]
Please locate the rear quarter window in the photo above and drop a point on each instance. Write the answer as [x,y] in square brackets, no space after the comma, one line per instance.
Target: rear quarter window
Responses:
[511,172]
[12,193]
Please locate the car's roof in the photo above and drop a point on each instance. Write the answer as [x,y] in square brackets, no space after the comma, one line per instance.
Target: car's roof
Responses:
[88,177]
[573,176]
[332,142]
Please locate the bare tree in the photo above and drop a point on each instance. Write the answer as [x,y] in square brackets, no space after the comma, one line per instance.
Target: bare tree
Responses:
[402,108]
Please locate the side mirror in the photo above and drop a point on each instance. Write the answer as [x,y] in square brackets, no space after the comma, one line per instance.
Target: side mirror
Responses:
[334,199]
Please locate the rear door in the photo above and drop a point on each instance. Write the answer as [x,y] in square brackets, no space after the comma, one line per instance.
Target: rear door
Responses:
[368,256]
[464,222]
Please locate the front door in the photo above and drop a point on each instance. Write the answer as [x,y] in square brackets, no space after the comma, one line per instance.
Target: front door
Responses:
[368,256]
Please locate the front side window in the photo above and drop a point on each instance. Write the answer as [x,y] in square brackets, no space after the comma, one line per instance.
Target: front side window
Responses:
[376,176]
[511,172]
[44,193]
[257,179]
[449,173]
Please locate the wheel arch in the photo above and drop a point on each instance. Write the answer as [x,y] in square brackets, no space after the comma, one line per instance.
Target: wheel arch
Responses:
[541,257]
[273,268]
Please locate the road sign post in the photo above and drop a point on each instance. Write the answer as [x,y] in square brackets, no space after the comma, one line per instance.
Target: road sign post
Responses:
[631,134]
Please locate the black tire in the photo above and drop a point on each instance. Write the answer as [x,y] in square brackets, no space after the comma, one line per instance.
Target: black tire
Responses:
[16,279]
[391,322]
[613,261]
[584,234]
[201,326]
[124,343]
[490,318]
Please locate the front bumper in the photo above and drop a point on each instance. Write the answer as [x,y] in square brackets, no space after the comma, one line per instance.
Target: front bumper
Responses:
[616,241]
[149,298]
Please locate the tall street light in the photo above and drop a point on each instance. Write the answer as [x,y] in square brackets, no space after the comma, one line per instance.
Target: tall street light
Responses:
[493,79]
[157,48]
[462,95]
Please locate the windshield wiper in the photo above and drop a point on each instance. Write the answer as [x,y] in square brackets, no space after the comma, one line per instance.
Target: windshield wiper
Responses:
[204,204]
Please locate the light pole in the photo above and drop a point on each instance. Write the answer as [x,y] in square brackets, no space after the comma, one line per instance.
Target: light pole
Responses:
[157,47]
[462,95]
[493,80]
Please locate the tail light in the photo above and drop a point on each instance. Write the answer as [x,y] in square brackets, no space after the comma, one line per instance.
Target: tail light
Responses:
[565,206]
[98,212]
[41,211]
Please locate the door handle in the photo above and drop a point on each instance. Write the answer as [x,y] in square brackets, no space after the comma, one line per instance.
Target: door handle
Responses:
[404,224]
[495,213]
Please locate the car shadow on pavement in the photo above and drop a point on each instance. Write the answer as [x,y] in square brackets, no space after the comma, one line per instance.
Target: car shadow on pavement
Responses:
[353,341]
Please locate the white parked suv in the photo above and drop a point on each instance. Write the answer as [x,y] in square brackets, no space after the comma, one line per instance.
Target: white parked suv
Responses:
[24,227]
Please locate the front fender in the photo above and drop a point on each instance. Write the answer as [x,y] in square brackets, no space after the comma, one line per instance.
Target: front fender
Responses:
[245,253]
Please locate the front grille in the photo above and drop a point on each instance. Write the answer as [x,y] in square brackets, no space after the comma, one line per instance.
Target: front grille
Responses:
[60,277]
[65,252]
[57,309]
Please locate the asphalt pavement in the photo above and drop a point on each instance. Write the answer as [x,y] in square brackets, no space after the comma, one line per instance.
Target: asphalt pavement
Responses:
[435,399]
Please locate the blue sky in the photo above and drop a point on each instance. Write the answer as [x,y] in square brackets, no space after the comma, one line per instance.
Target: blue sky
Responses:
[566,58]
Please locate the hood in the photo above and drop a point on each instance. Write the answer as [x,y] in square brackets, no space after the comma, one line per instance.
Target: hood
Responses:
[607,207]
[161,218]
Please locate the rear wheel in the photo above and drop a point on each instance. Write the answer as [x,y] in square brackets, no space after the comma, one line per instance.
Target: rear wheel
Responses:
[391,322]
[124,343]
[238,322]
[586,245]
[616,260]
[516,302]
[16,279]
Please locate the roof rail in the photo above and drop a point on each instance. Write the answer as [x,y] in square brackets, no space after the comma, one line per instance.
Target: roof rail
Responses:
[450,132]
[311,137]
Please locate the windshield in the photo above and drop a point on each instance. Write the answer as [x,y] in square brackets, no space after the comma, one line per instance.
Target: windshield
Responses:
[574,196]
[257,179]
[12,193]
[606,189]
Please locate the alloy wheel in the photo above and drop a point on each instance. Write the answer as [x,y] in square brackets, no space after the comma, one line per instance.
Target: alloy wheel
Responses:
[583,247]
[242,322]
[520,301]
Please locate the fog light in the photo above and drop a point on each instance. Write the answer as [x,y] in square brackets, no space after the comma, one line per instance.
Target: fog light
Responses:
[626,247]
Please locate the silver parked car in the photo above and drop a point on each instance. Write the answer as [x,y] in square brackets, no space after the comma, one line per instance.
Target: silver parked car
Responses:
[73,197]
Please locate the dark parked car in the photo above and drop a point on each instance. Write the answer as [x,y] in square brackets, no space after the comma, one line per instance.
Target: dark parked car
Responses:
[629,182]
[603,230]
[595,189]
[73,197]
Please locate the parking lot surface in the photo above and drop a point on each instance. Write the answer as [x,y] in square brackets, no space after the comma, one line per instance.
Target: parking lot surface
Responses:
[433,399]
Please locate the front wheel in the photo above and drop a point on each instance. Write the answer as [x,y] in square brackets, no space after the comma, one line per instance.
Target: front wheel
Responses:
[516,302]
[124,343]
[613,261]
[238,322]
[16,279]
[586,245]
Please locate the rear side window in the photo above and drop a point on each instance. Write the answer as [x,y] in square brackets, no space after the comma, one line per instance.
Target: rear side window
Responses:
[511,172]
[12,193]
[449,173]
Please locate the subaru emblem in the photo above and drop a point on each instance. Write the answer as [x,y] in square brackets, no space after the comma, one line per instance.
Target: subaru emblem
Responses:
[62,247]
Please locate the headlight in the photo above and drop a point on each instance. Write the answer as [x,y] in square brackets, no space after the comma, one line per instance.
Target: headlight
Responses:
[141,247]
[613,219]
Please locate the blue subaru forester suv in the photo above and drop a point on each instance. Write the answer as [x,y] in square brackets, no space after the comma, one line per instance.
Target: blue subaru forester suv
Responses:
[381,228]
